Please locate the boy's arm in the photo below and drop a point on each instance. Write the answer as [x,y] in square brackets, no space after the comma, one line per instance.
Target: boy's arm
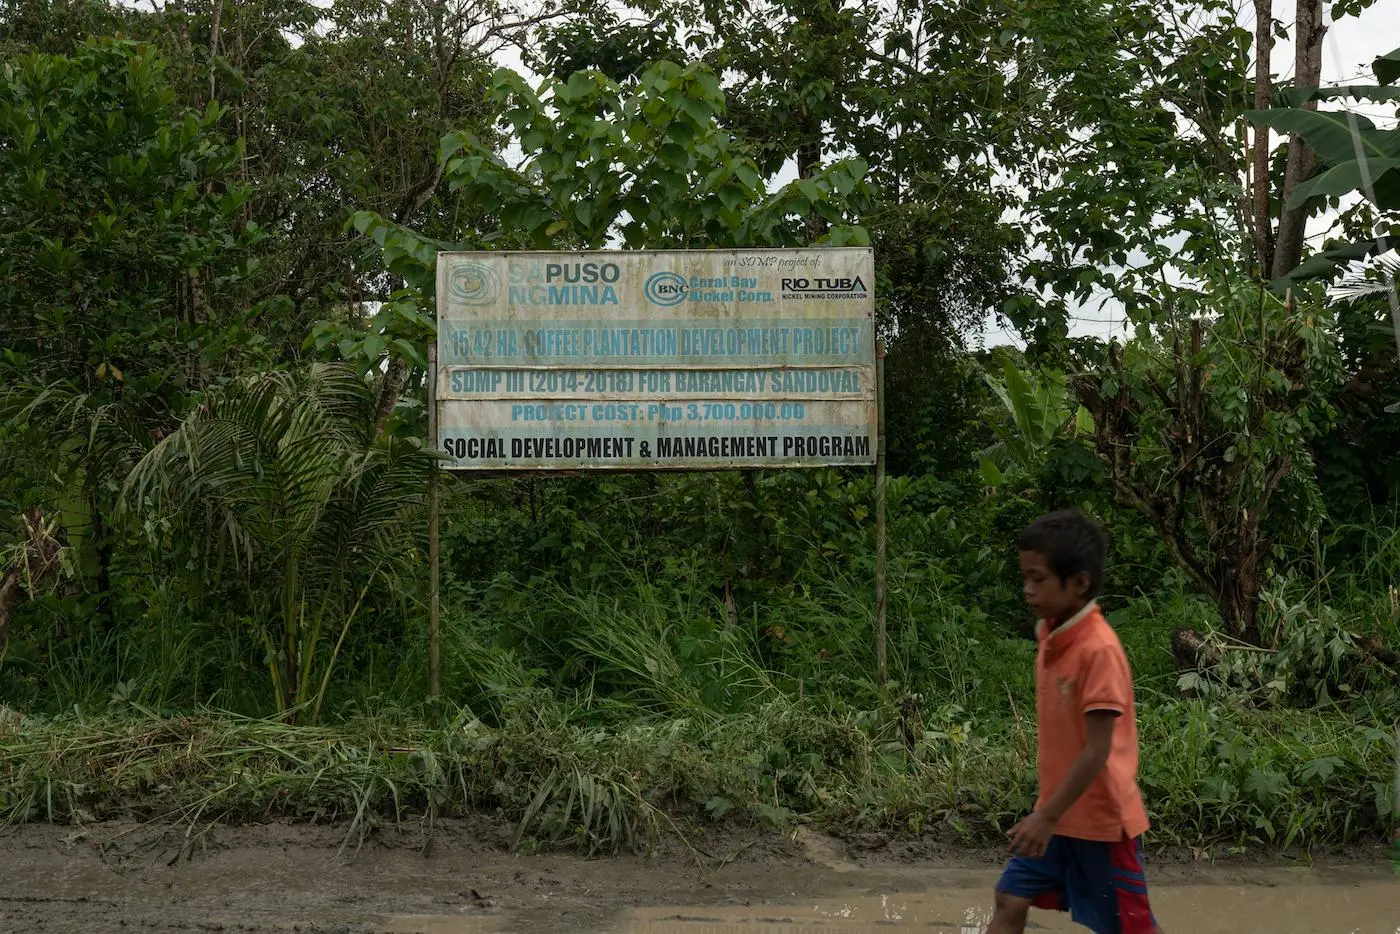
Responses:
[1098,742]
[1031,836]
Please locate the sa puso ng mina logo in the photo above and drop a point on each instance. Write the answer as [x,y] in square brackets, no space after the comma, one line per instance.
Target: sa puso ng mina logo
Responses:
[473,284]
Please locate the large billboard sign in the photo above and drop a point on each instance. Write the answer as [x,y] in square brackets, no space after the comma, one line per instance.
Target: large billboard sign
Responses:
[643,360]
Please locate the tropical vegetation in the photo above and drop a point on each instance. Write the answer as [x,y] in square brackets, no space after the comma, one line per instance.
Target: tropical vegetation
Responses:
[218,233]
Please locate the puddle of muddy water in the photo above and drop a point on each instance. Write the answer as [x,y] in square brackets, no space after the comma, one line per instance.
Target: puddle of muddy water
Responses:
[440,924]
[1369,908]
[1286,907]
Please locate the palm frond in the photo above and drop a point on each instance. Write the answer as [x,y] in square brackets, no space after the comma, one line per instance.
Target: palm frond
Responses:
[285,463]
[282,472]
[110,436]
[1373,280]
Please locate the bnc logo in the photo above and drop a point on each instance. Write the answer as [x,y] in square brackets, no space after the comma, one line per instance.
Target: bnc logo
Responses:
[473,284]
[666,288]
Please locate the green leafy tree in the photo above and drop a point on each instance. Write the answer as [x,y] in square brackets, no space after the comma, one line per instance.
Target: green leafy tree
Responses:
[597,38]
[57,29]
[1036,411]
[645,165]
[1359,473]
[338,107]
[124,257]
[1205,431]
[1128,161]
[1145,202]
[1351,156]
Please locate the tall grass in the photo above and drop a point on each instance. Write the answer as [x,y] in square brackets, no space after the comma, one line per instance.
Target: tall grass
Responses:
[1210,776]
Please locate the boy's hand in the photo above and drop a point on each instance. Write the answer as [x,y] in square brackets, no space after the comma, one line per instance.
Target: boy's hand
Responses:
[1031,836]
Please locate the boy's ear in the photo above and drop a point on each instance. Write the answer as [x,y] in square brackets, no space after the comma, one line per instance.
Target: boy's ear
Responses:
[1080,583]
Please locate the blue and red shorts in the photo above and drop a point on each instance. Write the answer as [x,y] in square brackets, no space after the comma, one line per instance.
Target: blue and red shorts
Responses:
[1101,885]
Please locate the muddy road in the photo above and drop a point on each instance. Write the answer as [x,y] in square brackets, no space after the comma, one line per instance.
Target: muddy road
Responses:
[299,879]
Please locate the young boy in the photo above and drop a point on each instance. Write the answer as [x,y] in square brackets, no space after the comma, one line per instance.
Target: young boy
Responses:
[1080,850]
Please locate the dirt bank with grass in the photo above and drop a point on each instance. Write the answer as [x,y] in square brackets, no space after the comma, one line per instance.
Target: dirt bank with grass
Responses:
[1214,777]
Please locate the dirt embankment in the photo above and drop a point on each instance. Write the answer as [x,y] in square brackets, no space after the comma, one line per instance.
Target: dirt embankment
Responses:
[462,878]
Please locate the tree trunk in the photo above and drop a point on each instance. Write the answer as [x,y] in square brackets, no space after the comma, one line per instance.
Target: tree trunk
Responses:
[198,309]
[1238,597]
[12,594]
[1260,224]
[1190,651]
[390,388]
[1302,161]
[1204,527]
[809,155]
[214,48]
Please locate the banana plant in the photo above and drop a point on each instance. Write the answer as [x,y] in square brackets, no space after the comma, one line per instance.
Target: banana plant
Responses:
[1355,156]
[1037,410]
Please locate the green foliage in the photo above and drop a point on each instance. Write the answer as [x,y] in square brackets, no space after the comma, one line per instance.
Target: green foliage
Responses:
[123,244]
[937,271]
[185,216]
[649,164]
[1135,178]
[1203,428]
[597,39]
[343,106]
[33,26]
[934,397]
[1264,771]
[1219,776]
[400,327]
[124,254]
[276,483]
[805,65]
[1356,473]
[1315,660]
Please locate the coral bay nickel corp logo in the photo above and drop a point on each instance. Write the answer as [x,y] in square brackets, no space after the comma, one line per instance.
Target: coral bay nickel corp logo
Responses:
[473,283]
[666,289]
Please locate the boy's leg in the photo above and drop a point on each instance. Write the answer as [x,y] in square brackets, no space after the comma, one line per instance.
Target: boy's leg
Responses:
[1029,883]
[1130,888]
[1010,915]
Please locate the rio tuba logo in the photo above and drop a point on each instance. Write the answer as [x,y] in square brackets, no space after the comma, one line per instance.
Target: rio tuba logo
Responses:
[472,284]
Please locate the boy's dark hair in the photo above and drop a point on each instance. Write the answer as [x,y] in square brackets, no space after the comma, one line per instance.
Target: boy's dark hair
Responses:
[1071,542]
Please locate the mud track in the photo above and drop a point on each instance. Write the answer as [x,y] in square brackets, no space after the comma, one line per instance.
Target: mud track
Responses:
[316,880]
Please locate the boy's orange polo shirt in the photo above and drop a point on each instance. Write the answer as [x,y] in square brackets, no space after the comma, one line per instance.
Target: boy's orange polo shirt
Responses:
[1081,667]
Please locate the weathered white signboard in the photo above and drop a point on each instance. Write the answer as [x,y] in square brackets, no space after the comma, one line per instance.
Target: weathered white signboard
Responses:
[643,360]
